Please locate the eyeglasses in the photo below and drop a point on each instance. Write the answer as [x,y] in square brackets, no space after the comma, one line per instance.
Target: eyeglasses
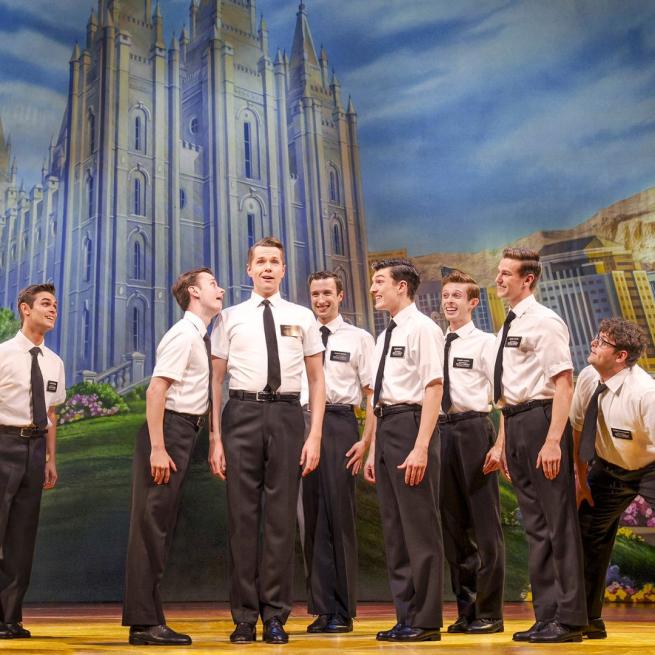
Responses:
[603,342]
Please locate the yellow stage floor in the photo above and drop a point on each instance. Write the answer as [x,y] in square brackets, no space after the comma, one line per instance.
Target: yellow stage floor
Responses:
[81,629]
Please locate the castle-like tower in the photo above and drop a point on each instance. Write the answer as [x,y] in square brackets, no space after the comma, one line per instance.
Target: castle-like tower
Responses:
[172,158]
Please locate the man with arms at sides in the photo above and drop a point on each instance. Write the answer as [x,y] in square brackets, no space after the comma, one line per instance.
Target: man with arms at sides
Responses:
[613,417]
[328,494]
[264,344]
[533,384]
[177,402]
[404,456]
[31,384]
[470,500]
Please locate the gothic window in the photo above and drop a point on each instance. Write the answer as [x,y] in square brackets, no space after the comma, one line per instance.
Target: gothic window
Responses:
[137,260]
[194,126]
[136,324]
[251,230]
[88,259]
[25,242]
[136,328]
[138,135]
[139,194]
[92,132]
[138,129]
[247,149]
[337,238]
[38,234]
[86,333]
[182,199]
[13,251]
[89,196]
[334,185]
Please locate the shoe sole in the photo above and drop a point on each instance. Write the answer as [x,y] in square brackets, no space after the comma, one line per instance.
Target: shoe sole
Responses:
[411,641]
[568,640]
[595,635]
[145,642]
[485,632]
[338,632]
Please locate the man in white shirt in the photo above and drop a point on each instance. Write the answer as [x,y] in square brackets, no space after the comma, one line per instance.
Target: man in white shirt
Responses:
[177,402]
[32,383]
[264,344]
[328,494]
[470,500]
[404,457]
[533,384]
[613,417]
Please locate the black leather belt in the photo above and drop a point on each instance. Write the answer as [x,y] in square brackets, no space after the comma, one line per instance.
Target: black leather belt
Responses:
[338,407]
[510,410]
[460,416]
[264,396]
[198,420]
[27,432]
[387,410]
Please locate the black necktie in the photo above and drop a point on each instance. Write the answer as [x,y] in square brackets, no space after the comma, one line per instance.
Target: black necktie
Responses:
[383,359]
[274,378]
[325,334]
[588,436]
[446,402]
[208,348]
[39,412]
[498,368]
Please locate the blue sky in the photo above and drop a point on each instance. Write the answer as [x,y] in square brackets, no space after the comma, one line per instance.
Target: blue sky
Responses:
[480,121]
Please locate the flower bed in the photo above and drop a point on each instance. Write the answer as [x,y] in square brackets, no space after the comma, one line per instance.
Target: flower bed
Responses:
[639,514]
[90,400]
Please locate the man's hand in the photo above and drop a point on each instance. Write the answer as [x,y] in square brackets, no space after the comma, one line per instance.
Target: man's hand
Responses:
[216,458]
[311,454]
[356,454]
[369,467]
[161,465]
[415,465]
[496,461]
[50,475]
[582,490]
[549,458]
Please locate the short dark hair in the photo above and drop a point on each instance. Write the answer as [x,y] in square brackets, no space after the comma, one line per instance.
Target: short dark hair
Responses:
[459,277]
[267,242]
[326,275]
[180,288]
[401,269]
[627,336]
[28,295]
[530,264]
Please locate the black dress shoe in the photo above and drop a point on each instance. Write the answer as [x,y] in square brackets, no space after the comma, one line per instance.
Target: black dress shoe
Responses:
[556,633]
[389,635]
[157,635]
[525,635]
[318,624]
[460,625]
[13,631]
[274,632]
[595,629]
[417,634]
[485,626]
[338,624]
[244,633]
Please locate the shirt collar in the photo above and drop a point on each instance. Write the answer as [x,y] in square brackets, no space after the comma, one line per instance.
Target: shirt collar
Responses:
[274,299]
[333,325]
[25,344]
[464,331]
[404,314]
[524,305]
[616,381]
[197,322]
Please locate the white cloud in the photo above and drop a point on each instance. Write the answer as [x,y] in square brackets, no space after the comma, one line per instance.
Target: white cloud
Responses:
[35,48]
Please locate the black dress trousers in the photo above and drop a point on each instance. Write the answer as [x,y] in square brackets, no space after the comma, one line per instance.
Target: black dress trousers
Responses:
[613,488]
[153,517]
[330,535]
[550,518]
[410,522]
[262,442]
[470,513]
[22,473]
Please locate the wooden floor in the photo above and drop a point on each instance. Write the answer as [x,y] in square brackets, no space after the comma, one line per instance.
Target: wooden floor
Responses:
[82,629]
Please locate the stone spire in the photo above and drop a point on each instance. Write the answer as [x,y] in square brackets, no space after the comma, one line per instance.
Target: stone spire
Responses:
[303,49]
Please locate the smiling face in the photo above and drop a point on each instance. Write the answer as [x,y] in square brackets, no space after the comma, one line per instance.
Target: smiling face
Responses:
[455,304]
[325,299]
[266,269]
[207,293]
[510,284]
[387,293]
[42,315]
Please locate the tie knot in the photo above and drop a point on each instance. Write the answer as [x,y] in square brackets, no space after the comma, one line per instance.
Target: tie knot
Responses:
[36,351]
[325,330]
[451,336]
[266,302]
[510,317]
[206,338]
[391,326]
[601,387]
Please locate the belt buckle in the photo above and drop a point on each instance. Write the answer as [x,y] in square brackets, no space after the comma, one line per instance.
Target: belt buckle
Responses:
[379,411]
[263,396]
[28,434]
[200,420]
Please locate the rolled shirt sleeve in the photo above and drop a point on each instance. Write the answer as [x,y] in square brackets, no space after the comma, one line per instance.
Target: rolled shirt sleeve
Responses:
[429,349]
[172,356]
[584,387]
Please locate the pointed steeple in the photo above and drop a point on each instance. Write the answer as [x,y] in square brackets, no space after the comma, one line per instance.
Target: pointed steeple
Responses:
[351,108]
[175,46]
[76,53]
[278,57]
[303,49]
[159,27]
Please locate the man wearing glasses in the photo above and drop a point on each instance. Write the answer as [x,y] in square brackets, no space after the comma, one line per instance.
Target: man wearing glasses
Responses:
[613,417]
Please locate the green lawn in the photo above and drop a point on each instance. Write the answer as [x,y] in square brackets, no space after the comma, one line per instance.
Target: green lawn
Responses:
[84,520]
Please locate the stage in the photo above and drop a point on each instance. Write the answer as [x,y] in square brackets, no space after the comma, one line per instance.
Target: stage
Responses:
[82,629]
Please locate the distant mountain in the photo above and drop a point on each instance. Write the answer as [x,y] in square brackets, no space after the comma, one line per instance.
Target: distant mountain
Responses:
[630,222]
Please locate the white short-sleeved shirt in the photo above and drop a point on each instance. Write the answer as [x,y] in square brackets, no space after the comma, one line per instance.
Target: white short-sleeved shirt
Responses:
[182,357]
[414,360]
[239,338]
[16,380]
[625,432]
[536,350]
[348,362]
[471,369]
